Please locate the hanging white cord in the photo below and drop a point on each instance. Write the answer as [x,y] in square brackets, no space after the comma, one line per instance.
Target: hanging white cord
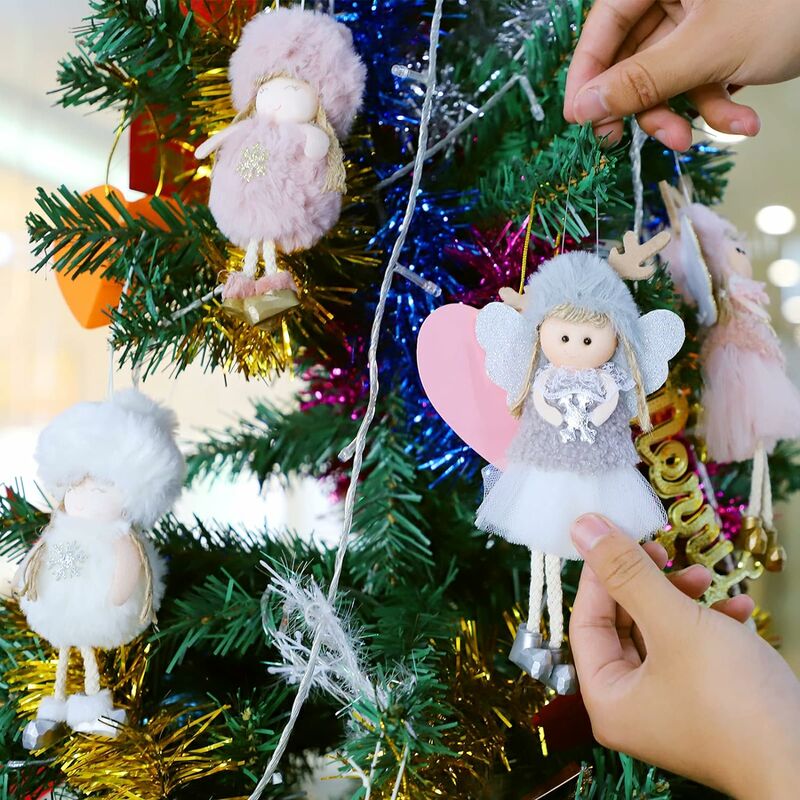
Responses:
[361,439]
[638,139]
[111,351]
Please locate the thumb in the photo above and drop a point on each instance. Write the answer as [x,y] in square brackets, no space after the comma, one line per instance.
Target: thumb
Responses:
[681,61]
[628,574]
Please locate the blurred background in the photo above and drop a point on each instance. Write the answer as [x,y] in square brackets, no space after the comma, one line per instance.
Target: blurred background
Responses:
[48,362]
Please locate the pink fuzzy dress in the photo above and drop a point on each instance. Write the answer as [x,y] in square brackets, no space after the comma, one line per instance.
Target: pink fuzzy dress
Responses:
[264,187]
[748,396]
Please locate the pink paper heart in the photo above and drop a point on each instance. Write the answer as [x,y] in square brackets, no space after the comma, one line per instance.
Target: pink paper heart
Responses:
[451,366]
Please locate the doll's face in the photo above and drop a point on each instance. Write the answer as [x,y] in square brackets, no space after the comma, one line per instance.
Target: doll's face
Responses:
[738,258]
[93,500]
[287,100]
[577,345]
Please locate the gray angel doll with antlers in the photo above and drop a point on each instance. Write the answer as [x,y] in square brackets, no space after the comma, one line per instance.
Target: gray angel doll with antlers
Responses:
[577,361]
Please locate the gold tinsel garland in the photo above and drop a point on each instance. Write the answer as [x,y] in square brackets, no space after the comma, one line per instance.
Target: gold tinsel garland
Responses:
[489,706]
[691,519]
[151,756]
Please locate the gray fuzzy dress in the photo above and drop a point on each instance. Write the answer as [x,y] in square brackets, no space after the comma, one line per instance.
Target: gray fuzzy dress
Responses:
[555,474]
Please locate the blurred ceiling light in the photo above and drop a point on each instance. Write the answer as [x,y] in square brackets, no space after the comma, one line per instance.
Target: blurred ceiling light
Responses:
[6,248]
[719,136]
[791,309]
[776,220]
[784,272]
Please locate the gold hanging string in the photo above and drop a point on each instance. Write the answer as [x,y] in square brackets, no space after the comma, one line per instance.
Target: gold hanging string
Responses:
[527,243]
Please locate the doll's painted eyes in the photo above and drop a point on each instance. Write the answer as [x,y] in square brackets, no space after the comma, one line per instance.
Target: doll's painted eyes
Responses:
[565,338]
[587,341]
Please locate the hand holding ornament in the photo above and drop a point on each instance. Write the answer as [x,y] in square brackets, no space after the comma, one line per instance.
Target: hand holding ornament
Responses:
[674,683]
[635,55]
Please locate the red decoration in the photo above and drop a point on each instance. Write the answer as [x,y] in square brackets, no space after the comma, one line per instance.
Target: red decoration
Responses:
[565,722]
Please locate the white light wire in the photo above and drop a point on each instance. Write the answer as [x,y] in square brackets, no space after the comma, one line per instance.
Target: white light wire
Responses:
[360,441]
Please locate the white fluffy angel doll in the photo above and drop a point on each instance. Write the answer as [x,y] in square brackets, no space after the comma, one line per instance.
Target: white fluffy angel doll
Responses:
[93,580]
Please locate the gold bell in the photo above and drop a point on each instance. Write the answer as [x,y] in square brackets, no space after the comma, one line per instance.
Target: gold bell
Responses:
[776,554]
[752,536]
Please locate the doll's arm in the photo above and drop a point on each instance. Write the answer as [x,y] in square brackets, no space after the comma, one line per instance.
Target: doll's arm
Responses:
[546,411]
[606,408]
[317,142]
[127,568]
[213,143]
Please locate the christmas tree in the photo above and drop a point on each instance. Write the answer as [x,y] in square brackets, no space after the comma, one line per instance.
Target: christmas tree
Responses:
[462,176]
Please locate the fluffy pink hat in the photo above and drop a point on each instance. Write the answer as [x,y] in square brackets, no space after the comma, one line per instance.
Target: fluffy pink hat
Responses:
[306,45]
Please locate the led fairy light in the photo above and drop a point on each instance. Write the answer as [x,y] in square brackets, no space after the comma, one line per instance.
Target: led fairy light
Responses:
[776,220]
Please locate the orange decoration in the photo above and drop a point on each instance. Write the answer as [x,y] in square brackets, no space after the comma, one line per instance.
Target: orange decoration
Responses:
[89,295]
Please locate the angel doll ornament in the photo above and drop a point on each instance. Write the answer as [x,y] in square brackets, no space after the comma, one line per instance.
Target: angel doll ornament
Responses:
[278,179]
[575,361]
[749,403]
[93,580]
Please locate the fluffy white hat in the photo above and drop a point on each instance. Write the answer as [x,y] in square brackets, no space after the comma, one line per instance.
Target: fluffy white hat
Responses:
[128,441]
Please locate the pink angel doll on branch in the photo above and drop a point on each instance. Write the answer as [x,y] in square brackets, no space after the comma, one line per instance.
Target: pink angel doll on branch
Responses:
[278,179]
[556,375]
[749,403]
[93,580]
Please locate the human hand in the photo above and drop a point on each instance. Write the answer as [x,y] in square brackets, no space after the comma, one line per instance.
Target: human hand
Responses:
[673,683]
[634,55]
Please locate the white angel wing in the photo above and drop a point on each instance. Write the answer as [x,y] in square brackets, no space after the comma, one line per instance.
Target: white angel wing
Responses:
[698,278]
[506,338]
[660,336]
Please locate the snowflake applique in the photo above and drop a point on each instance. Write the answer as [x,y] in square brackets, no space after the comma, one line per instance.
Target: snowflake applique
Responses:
[66,559]
[253,162]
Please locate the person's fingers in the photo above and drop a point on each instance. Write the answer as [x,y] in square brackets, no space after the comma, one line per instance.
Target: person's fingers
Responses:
[723,114]
[606,28]
[671,129]
[626,572]
[593,634]
[657,552]
[739,608]
[610,133]
[679,62]
[692,581]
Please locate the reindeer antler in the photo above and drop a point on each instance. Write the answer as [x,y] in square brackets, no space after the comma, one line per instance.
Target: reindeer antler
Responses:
[630,262]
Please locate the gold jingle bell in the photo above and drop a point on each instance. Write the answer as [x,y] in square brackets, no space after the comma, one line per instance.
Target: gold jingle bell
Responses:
[776,554]
[752,536]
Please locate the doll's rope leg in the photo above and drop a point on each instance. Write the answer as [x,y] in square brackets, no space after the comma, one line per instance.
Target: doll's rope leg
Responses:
[270,257]
[527,652]
[555,600]
[251,259]
[62,667]
[562,676]
[536,591]
[90,671]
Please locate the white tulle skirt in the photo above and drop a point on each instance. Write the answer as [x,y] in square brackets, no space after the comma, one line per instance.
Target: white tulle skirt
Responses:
[536,507]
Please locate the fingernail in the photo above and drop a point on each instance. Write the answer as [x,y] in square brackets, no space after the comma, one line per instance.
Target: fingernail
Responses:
[745,128]
[590,105]
[661,135]
[588,530]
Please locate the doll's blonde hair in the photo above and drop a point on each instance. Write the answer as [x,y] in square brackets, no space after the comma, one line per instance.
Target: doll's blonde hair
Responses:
[570,313]
[335,178]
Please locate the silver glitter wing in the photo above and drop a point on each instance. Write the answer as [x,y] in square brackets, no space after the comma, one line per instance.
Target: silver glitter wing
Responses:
[661,335]
[506,338]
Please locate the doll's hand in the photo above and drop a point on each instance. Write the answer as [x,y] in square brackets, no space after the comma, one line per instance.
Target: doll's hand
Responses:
[606,408]
[317,142]
[127,568]
[634,55]
[671,682]
[513,298]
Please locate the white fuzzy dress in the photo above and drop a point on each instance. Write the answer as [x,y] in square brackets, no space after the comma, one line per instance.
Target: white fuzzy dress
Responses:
[71,606]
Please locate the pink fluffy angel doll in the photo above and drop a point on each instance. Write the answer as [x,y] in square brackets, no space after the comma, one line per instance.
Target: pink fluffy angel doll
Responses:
[749,402]
[278,180]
